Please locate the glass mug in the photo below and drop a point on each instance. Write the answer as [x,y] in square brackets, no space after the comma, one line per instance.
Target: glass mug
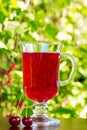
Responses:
[41,61]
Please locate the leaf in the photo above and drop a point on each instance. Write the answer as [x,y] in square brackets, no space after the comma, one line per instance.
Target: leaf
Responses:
[29,112]
[4,51]
[2,17]
[51,31]
[65,111]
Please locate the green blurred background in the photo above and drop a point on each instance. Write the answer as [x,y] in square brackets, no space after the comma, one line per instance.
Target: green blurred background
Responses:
[57,20]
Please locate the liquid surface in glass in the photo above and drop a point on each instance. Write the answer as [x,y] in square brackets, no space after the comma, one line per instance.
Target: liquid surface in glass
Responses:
[40,75]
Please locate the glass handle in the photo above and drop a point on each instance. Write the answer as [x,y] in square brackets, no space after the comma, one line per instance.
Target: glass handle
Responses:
[73,70]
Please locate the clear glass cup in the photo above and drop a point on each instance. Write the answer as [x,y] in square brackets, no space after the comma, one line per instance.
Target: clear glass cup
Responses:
[41,61]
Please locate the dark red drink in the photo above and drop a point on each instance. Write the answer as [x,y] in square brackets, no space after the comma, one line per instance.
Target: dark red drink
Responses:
[40,75]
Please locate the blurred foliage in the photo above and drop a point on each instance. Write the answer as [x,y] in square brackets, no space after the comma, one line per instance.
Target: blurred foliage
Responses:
[57,20]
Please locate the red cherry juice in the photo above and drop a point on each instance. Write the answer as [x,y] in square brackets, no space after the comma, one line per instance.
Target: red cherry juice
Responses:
[40,75]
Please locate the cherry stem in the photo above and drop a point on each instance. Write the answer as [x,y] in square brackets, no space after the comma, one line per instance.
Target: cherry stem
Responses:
[19,102]
[26,108]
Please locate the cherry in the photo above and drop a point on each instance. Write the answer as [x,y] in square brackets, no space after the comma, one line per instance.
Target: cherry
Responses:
[14,120]
[27,121]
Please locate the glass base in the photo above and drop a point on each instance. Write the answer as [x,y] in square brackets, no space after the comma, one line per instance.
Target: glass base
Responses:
[42,121]
[40,117]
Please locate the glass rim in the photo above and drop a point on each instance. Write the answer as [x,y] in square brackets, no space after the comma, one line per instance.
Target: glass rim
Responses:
[41,46]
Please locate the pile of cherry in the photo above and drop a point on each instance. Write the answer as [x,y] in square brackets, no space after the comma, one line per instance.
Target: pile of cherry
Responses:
[15,120]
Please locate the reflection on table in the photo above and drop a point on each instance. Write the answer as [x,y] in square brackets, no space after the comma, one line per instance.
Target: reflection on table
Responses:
[34,128]
[65,124]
